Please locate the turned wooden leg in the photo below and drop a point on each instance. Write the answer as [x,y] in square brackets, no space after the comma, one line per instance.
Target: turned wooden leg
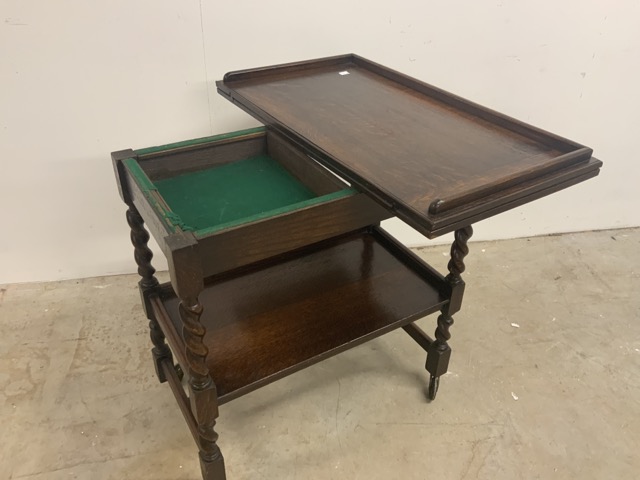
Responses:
[440,351]
[147,284]
[202,391]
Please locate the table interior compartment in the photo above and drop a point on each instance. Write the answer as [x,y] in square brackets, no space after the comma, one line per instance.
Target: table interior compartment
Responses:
[220,185]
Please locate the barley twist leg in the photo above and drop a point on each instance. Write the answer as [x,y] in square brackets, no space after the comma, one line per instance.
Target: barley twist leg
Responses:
[440,351]
[203,395]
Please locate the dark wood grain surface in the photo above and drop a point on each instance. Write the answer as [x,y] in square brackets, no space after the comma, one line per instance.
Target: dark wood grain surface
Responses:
[166,164]
[416,148]
[273,320]
[252,242]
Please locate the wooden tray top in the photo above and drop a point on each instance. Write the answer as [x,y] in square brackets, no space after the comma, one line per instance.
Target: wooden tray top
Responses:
[435,159]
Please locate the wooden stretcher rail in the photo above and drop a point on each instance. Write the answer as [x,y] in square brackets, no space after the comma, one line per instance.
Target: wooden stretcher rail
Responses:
[418,335]
[181,397]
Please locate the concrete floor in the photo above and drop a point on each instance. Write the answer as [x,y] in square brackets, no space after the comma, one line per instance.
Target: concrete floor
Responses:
[544,383]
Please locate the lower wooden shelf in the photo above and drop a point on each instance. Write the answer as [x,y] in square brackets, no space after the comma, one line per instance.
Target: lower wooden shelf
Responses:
[276,318]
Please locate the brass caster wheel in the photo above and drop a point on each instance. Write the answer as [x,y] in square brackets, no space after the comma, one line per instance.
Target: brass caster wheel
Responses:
[434,383]
[179,371]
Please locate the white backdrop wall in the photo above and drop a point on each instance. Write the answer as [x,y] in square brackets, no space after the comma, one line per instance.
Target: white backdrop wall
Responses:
[80,79]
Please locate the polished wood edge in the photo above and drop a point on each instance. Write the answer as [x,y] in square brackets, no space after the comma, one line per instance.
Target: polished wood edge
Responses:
[442,205]
[447,228]
[181,397]
[485,207]
[239,75]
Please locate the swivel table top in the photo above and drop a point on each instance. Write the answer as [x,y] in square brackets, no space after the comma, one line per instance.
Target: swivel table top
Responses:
[438,161]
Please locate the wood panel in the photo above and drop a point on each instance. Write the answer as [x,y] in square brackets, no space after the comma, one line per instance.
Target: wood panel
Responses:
[422,151]
[245,244]
[275,319]
[168,164]
[300,165]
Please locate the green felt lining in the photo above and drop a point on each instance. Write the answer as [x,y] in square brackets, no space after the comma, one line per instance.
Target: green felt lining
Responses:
[136,170]
[255,188]
[147,187]
[241,192]
[278,211]
[198,141]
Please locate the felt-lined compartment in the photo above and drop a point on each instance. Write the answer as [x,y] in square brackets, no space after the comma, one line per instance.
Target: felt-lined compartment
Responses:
[235,193]
[226,187]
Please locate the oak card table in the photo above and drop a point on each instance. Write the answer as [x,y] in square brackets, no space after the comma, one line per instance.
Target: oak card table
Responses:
[276,257]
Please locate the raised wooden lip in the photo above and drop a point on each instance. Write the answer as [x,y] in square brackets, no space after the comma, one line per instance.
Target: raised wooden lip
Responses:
[250,73]
[532,191]
[576,155]
[446,204]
